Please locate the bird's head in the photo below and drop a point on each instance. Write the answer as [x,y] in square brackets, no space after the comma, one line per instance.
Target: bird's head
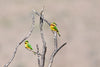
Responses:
[53,24]
[26,41]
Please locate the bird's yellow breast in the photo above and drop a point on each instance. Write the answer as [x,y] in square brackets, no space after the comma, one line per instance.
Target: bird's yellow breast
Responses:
[52,28]
[26,46]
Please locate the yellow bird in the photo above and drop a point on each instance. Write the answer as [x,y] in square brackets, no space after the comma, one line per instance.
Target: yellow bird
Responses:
[28,46]
[54,28]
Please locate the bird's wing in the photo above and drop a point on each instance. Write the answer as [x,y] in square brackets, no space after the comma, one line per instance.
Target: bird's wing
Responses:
[56,28]
[30,46]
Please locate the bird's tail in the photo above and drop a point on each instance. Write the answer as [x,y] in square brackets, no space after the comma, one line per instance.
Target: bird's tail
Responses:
[59,34]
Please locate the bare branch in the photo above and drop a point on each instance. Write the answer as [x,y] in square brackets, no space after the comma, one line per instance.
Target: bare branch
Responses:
[54,53]
[27,36]
[38,56]
[41,17]
[43,40]
[55,41]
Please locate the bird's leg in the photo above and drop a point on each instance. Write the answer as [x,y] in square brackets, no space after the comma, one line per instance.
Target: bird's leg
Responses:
[52,31]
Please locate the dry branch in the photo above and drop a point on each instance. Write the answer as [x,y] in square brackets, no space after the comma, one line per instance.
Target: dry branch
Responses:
[53,55]
[41,17]
[38,55]
[56,49]
[27,36]
[43,41]
[55,40]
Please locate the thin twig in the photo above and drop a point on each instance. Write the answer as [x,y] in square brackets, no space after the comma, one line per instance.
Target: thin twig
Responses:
[53,55]
[38,55]
[43,40]
[41,17]
[27,36]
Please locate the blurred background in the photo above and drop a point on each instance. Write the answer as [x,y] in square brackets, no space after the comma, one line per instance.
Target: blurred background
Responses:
[77,20]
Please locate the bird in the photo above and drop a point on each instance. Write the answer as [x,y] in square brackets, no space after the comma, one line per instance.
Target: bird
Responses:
[28,46]
[54,28]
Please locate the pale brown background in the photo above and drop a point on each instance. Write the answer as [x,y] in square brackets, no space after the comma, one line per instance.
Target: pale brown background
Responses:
[78,22]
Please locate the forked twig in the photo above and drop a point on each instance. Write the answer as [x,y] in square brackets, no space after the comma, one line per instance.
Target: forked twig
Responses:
[41,17]
[41,57]
[56,49]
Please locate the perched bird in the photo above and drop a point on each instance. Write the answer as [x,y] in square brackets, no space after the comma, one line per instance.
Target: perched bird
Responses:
[54,28]
[28,46]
